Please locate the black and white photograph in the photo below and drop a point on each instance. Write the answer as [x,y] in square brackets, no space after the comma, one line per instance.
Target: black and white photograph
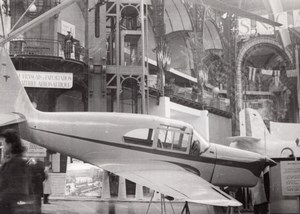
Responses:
[149,106]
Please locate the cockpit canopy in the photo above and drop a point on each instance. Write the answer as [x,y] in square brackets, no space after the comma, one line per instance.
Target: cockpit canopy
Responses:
[169,137]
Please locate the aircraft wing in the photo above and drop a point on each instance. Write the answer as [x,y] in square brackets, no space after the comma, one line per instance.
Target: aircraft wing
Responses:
[172,180]
[11,118]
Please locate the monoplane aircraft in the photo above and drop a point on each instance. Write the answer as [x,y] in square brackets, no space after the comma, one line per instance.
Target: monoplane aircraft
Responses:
[165,155]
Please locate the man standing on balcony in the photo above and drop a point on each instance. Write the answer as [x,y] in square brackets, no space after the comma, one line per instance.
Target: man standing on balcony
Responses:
[68,45]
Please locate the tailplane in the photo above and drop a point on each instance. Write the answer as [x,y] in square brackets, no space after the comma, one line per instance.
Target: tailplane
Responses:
[13,97]
[254,133]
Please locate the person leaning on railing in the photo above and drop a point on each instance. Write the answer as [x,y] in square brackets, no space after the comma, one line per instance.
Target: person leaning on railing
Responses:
[68,45]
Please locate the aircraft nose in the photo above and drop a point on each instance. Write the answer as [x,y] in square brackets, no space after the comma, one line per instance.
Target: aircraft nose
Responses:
[270,162]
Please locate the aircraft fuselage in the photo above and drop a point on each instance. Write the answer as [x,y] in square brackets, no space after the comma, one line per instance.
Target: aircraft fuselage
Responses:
[108,138]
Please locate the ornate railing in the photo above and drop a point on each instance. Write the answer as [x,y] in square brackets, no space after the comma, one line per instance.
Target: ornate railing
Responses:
[47,47]
[207,99]
[186,96]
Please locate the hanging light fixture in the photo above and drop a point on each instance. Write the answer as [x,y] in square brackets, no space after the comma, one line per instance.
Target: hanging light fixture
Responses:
[32,8]
[224,16]
[57,2]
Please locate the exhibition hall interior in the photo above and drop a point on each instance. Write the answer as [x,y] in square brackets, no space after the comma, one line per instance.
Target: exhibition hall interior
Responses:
[153,106]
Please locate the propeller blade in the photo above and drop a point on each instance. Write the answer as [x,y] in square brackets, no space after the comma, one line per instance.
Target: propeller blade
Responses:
[227,8]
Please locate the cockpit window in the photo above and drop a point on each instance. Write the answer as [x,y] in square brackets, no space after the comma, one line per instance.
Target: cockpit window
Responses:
[142,137]
[199,145]
[173,138]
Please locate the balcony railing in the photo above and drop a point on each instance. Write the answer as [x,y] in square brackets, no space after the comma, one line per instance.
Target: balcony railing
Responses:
[207,99]
[186,95]
[47,47]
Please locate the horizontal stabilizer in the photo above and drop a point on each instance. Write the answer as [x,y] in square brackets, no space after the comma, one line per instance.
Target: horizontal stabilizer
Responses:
[10,119]
[247,143]
[243,139]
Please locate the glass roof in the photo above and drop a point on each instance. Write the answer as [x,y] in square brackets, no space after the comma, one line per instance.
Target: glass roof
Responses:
[211,37]
[176,17]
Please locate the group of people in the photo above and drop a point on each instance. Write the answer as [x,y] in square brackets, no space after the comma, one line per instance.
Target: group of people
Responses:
[22,182]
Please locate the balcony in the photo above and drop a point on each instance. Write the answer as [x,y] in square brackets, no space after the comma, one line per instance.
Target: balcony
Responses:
[47,47]
[188,97]
[49,55]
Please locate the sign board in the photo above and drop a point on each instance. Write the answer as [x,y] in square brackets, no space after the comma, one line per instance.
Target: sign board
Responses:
[58,183]
[35,79]
[290,178]
[66,26]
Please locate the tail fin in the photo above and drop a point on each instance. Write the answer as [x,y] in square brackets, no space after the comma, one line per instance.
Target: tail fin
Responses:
[252,124]
[254,133]
[13,97]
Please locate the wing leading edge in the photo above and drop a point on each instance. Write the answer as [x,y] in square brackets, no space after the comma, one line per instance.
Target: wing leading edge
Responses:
[175,182]
[10,119]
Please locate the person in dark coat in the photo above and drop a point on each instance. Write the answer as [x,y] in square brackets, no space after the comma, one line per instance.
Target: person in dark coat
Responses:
[68,45]
[36,168]
[14,174]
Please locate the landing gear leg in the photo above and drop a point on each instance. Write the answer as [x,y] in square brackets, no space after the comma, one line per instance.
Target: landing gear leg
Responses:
[231,210]
[186,208]
[150,202]
[162,203]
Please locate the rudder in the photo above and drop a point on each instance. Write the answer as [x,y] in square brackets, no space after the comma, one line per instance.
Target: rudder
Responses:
[252,124]
[13,97]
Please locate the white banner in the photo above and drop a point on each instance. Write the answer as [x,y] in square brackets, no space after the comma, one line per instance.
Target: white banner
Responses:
[252,73]
[263,28]
[287,19]
[267,72]
[35,79]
